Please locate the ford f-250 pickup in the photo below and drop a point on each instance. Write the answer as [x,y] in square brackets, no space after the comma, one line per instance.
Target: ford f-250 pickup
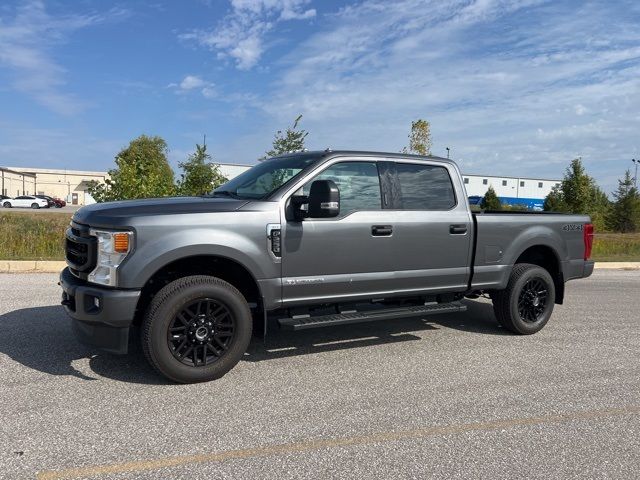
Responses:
[306,240]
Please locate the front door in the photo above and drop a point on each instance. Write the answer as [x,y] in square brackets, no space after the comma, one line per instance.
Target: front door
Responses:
[341,258]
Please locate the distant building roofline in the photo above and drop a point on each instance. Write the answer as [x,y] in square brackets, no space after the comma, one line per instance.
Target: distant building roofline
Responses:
[511,176]
[58,171]
[16,172]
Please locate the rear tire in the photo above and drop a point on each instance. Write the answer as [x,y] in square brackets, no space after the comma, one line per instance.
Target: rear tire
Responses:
[6,205]
[525,306]
[35,206]
[196,329]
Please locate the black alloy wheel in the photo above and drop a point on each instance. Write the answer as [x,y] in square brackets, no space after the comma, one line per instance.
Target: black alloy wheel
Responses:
[532,300]
[196,329]
[201,332]
[526,304]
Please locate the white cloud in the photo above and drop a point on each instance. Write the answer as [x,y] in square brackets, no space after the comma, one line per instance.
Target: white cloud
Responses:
[241,34]
[513,87]
[190,82]
[26,41]
[194,83]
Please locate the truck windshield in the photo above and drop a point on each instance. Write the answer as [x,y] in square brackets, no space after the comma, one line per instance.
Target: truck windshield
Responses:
[266,177]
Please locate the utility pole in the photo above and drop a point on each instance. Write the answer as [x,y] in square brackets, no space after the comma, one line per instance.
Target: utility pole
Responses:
[635,177]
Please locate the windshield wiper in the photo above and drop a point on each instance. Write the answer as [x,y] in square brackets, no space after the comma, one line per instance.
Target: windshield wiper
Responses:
[225,193]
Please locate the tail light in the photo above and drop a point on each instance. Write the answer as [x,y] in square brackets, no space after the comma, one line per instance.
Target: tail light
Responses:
[588,240]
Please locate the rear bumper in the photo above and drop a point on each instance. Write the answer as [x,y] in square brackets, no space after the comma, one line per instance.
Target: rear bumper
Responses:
[588,268]
[573,269]
[101,316]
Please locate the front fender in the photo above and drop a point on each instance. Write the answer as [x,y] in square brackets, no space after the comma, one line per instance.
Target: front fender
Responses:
[152,255]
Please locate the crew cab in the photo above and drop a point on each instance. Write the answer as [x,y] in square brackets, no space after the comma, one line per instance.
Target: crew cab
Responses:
[308,240]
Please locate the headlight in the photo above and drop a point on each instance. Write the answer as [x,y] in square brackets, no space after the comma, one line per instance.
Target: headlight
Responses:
[113,247]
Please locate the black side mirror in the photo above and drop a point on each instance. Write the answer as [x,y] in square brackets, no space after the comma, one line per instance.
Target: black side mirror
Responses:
[324,199]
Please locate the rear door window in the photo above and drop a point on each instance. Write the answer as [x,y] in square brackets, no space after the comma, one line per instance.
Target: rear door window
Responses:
[424,187]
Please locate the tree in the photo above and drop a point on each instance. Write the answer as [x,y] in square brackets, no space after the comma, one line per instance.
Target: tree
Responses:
[142,171]
[292,140]
[490,201]
[554,202]
[624,214]
[579,193]
[419,138]
[199,174]
[577,188]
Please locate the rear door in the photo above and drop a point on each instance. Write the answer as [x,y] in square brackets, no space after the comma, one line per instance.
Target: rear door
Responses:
[432,227]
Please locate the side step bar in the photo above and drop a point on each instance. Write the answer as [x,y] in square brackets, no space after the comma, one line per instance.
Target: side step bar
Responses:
[302,323]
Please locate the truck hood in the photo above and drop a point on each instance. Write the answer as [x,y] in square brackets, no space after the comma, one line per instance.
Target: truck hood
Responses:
[119,213]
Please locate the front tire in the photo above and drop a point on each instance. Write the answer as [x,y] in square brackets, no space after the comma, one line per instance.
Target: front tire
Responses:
[525,306]
[196,329]
[6,205]
[35,206]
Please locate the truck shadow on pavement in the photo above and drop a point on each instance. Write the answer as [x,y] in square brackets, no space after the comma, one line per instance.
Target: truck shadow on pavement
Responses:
[41,339]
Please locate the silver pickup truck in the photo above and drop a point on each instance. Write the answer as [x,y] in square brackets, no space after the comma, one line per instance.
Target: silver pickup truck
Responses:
[308,240]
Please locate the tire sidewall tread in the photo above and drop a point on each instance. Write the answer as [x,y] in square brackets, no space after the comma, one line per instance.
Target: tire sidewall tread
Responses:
[505,302]
[166,304]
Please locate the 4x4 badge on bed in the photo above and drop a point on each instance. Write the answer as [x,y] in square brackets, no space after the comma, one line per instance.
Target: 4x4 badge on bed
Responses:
[572,227]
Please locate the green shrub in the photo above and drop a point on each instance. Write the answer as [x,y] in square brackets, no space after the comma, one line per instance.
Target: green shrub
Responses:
[616,247]
[32,236]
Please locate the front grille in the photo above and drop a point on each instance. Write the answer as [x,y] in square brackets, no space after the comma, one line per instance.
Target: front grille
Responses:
[80,249]
[77,253]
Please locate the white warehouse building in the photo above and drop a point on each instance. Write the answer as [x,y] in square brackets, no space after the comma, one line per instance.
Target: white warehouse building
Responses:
[526,191]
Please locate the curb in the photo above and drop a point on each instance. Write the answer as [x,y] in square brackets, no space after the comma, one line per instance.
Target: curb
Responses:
[54,266]
[618,265]
[31,266]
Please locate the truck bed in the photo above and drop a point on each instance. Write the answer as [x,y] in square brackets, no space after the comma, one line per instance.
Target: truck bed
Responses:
[502,237]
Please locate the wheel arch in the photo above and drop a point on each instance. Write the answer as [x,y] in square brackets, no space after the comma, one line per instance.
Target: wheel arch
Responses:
[225,268]
[545,257]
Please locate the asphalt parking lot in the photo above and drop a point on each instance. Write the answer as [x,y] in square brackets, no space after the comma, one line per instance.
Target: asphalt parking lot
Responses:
[451,396]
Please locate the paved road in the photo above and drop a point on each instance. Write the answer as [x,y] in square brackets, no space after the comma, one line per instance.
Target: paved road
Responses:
[451,397]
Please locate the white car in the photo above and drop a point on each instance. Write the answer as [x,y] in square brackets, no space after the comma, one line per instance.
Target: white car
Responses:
[26,201]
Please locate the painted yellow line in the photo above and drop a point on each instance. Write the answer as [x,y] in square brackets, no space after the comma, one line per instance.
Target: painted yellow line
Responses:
[305,446]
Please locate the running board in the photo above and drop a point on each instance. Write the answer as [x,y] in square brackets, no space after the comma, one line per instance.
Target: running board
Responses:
[304,322]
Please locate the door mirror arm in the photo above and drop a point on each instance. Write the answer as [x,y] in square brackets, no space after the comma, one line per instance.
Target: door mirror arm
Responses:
[297,202]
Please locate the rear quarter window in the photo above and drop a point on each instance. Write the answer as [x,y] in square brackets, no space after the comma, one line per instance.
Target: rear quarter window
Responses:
[425,187]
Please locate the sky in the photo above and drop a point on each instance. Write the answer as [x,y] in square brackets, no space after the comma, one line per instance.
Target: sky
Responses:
[512,87]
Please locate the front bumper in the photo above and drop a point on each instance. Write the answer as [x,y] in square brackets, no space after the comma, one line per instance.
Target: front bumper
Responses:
[102,316]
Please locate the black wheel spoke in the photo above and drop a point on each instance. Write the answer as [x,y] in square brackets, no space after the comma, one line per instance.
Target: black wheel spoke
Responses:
[183,319]
[220,343]
[201,332]
[532,300]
